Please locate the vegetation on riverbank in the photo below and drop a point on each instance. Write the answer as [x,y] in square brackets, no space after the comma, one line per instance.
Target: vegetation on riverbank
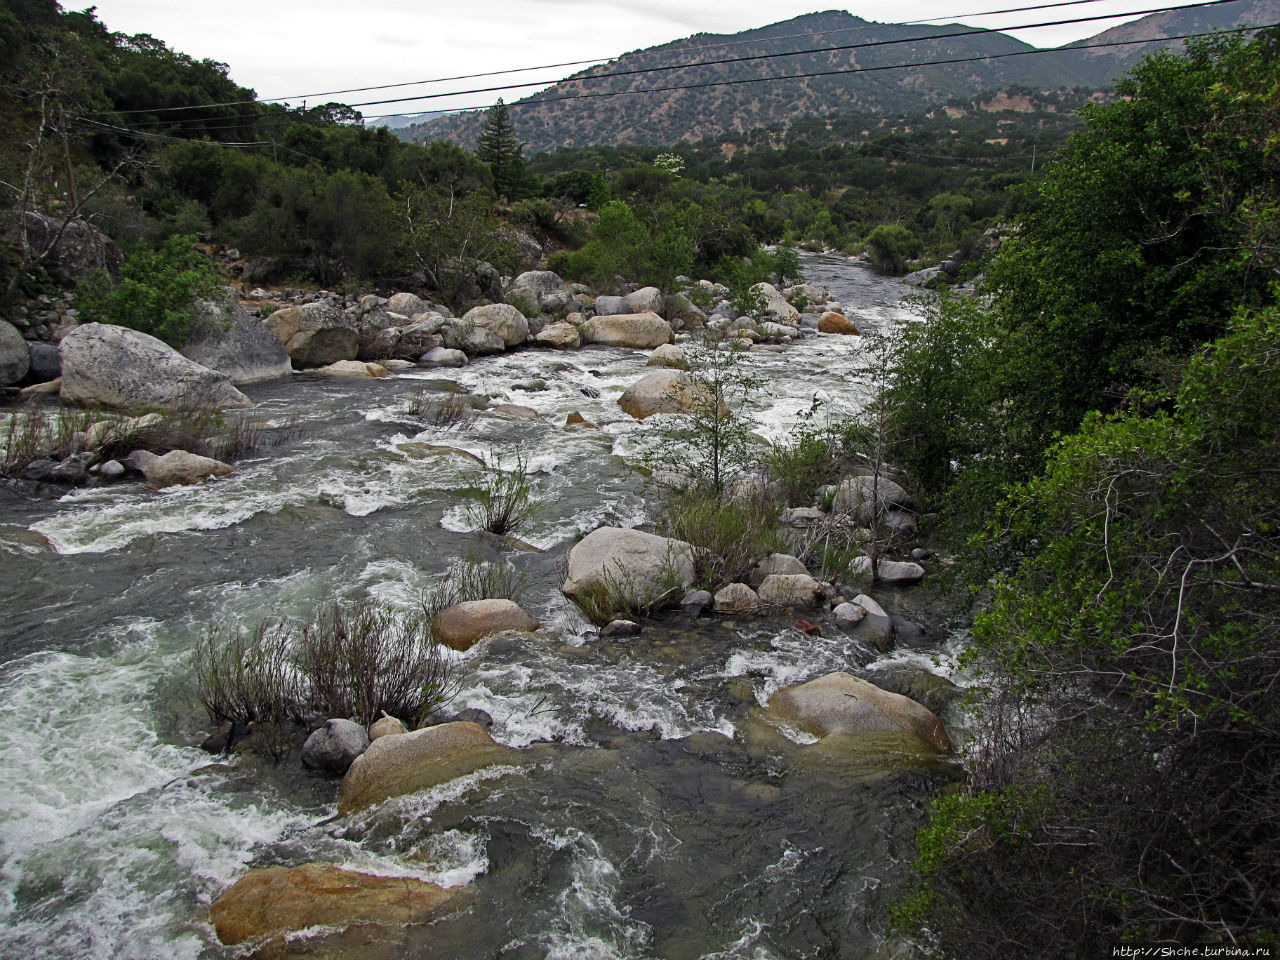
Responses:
[1105,419]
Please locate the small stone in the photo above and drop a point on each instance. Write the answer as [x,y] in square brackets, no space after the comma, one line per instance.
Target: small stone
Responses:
[386,726]
[849,614]
[805,627]
[920,553]
[737,598]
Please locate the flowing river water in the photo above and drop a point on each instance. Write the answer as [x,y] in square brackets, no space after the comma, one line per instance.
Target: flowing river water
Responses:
[655,814]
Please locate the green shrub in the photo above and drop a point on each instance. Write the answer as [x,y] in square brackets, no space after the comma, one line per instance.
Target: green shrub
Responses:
[500,500]
[155,291]
[890,246]
[729,536]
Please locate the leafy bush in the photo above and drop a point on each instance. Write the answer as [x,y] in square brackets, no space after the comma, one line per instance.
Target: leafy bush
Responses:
[155,290]
[354,663]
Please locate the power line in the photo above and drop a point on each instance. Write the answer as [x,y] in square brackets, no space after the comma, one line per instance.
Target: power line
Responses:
[976,31]
[853,70]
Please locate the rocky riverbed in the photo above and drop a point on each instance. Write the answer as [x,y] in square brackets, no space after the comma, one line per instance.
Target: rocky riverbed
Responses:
[639,799]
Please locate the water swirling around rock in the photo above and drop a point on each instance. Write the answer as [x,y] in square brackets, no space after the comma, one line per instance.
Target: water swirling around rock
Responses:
[657,816]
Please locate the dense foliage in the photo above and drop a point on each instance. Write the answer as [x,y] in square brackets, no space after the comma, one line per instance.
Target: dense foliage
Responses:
[1123,765]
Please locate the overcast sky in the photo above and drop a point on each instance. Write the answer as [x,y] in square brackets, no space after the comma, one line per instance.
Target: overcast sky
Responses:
[287,48]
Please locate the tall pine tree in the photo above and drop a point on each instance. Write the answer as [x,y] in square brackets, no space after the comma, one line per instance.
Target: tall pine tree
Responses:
[499,149]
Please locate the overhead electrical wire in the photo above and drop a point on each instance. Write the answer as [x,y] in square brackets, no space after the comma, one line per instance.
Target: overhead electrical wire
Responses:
[582,63]
[975,31]
[697,86]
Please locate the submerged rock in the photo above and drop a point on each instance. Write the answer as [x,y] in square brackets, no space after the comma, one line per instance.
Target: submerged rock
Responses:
[280,900]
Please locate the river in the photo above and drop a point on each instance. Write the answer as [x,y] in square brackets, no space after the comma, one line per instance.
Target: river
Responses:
[666,821]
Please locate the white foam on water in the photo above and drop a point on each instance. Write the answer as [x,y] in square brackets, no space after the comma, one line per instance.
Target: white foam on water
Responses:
[747,946]
[589,923]
[107,842]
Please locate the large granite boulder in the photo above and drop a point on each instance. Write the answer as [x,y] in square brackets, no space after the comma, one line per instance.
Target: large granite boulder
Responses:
[832,322]
[471,340]
[644,300]
[889,571]
[270,904]
[854,496]
[608,306]
[121,369]
[15,358]
[315,334]
[641,567]
[667,391]
[407,304]
[668,355]
[776,303]
[644,331]
[79,248]
[790,590]
[500,318]
[46,364]
[462,625]
[176,468]
[559,336]
[395,766]
[842,703]
[545,290]
[224,337]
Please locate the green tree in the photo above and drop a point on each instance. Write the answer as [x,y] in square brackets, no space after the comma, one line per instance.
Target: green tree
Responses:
[891,245]
[1124,765]
[155,290]
[502,152]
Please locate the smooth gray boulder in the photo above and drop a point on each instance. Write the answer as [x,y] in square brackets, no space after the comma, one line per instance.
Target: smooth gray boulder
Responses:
[334,747]
[736,598]
[790,590]
[889,571]
[667,391]
[776,303]
[472,340]
[315,334]
[642,567]
[122,369]
[176,468]
[842,703]
[15,358]
[854,496]
[443,357]
[643,331]
[407,304]
[610,306]
[545,290]
[559,336]
[224,337]
[644,300]
[500,318]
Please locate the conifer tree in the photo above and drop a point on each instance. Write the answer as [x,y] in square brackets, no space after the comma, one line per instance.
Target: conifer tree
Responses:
[499,149]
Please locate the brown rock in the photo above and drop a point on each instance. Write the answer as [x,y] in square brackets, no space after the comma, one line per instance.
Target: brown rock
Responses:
[832,322]
[790,590]
[736,598]
[280,900]
[177,468]
[354,368]
[463,624]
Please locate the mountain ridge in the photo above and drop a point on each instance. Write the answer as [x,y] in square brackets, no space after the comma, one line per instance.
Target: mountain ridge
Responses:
[814,64]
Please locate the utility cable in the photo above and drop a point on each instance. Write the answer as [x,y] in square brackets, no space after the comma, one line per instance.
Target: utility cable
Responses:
[976,31]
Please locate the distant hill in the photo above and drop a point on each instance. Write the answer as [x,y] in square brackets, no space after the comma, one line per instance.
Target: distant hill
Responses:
[726,98]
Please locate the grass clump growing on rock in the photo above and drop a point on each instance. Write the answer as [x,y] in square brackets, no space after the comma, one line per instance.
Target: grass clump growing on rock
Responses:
[729,536]
[353,662]
[473,579]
